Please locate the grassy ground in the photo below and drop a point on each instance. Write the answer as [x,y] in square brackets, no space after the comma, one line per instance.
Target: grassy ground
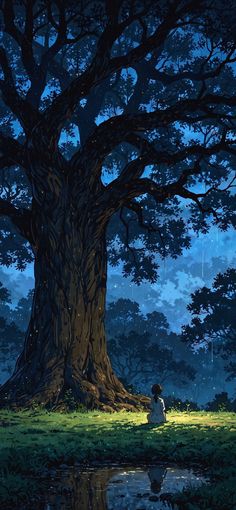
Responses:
[33,441]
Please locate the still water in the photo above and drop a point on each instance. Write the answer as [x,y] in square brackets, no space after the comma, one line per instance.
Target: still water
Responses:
[118,488]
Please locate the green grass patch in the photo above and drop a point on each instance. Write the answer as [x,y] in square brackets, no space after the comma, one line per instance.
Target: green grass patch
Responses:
[31,441]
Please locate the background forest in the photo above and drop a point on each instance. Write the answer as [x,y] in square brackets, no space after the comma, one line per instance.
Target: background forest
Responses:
[194,362]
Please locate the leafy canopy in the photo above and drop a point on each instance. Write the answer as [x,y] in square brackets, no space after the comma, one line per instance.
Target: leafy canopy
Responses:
[213,318]
[133,99]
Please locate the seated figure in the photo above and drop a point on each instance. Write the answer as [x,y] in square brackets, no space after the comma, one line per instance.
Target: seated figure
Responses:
[158,412]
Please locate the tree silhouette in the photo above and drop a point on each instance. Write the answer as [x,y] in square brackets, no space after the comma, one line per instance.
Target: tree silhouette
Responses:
[137,360]
[214,320]
[11,337]
[113,112]
[21,314]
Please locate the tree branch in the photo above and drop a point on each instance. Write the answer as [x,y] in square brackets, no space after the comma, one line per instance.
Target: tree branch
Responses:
[126,187]
[195,197]
[129,184]
[168,79]
[24,40]
[122,128]
[132,250]
[137,208]
[102,66]
[11,152]
[26,114]
[21,218]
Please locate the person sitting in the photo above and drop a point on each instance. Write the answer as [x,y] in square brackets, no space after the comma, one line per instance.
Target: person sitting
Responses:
[158,412]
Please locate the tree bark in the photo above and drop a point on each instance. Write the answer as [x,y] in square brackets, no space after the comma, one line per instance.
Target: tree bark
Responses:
[65,346]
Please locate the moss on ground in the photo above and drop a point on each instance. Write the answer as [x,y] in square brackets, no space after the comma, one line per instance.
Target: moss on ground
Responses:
[31,441]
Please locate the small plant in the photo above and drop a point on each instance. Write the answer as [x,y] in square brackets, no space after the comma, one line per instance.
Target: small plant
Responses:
[69,400]
[38,406]
[176,404]
[72,404]
[80,408]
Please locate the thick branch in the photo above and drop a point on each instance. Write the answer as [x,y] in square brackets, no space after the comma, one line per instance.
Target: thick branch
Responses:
[26,114]
[102,66]
[24,40]
[201,76]
[11,152]
[21,218]
[122,128]
[125,188]
[37,73]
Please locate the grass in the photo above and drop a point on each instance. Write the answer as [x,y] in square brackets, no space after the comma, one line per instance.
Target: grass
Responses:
[33,441]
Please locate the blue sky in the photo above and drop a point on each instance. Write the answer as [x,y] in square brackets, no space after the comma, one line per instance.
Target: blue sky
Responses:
[178,278]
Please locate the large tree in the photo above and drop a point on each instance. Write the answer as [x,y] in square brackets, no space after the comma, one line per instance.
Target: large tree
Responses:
[111,112]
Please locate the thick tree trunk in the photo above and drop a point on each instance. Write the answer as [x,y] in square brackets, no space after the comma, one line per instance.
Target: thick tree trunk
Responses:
[65,347]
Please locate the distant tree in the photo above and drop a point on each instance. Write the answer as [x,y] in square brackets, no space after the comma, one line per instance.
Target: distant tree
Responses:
[172,402]
[5,296]
[11,337]
[137,360]
[214,318]
[122,316]
[140,345]
[128,355]
[125,315]
[21,313]
[157,324]
[5,300]
[11,343]
[221,402]
[164,367]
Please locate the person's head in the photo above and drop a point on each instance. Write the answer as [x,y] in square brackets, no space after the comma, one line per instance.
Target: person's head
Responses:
[155,486]
[157,389]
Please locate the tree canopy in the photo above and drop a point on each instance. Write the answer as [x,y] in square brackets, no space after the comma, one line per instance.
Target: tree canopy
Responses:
[213,317]
[117,137]
[137,93]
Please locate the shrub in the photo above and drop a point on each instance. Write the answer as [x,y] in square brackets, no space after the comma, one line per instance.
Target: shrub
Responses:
[180,405]
[221,402]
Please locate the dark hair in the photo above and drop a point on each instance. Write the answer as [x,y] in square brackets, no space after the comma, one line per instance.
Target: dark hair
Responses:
[156,486]
[156,390]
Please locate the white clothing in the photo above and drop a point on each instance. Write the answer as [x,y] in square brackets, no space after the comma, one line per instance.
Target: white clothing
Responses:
[157,414]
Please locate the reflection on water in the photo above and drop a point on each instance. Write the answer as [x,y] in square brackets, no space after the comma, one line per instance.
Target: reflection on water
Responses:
[118,488]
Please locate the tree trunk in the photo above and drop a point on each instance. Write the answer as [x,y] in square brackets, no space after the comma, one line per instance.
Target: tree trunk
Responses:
[65,346]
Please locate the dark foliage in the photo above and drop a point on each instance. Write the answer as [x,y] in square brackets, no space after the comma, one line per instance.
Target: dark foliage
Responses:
[141,347]
[214,318]
[221,402]
[149,72]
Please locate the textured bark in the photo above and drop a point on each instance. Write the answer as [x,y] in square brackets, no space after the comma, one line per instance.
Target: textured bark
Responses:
[65,347]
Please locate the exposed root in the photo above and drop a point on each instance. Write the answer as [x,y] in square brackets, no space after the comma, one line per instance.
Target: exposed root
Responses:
[56,395]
